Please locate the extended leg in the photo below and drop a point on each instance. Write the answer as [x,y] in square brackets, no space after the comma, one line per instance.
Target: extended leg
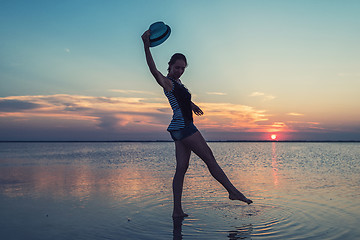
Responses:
[182,164]
[198,145]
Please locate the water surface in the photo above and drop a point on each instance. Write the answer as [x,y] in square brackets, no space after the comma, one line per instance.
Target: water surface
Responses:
[123,191]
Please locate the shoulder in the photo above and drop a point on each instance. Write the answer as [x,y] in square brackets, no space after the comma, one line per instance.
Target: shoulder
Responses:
[167,84]
[164,82]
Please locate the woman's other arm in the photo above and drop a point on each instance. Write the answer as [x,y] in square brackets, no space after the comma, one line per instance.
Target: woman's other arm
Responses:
[196,109]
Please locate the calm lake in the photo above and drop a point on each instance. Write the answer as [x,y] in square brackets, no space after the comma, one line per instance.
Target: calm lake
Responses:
[123,191]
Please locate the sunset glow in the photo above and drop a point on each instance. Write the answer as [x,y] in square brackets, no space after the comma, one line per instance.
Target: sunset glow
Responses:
[94,84]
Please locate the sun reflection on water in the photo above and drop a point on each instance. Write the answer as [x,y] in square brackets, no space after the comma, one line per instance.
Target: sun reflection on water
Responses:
[274,165]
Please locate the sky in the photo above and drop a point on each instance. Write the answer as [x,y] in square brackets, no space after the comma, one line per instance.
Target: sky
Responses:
[76,70]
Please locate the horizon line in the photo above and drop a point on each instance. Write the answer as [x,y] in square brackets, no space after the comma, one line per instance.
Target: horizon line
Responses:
[94,141]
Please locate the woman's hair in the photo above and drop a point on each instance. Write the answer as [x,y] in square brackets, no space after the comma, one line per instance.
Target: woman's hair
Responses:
[175,57]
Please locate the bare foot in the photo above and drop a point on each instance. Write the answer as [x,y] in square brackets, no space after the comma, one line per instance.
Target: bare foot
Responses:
[239,196]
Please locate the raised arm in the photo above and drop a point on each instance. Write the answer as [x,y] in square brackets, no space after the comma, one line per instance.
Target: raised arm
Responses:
[159,77]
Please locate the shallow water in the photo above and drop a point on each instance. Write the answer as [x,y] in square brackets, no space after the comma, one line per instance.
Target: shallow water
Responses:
[123,191]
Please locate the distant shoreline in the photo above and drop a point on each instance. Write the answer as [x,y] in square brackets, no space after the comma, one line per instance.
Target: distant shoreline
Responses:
[220,141]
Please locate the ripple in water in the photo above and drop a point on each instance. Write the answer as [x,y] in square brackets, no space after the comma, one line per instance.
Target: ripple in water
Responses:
[285,218]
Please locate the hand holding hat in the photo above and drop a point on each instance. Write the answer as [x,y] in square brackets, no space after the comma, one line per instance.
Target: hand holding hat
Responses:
[157,34]
[146,38]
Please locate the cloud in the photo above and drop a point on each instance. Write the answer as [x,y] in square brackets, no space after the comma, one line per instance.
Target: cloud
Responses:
[300,126]
[67,50]
[103,112]
[295,114]
[13,105]
[231,117]
[131,91]
[256,94]
[216,93]
[269,97]
[261,94]
[279,126]
[75,115]
[120,114]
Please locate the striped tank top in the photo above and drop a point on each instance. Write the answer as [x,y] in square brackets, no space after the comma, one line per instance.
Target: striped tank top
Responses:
[180,101]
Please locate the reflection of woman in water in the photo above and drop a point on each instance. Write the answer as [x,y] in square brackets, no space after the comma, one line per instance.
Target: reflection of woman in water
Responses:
[182,130]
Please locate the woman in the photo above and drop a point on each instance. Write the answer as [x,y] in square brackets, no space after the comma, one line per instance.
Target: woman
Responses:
[186,136]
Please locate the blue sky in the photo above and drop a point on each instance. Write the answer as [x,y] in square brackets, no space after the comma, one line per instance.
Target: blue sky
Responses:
[75,70]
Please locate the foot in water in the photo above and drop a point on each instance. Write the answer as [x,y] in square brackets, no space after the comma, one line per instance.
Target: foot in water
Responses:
[239,196]
[179,215]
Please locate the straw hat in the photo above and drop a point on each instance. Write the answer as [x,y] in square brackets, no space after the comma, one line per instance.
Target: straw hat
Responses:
[159,32]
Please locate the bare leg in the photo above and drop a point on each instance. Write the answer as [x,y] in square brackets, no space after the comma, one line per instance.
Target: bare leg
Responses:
[198,145]
[182,164]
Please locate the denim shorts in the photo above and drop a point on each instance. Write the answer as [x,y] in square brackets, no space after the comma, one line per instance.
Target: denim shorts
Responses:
[185,132]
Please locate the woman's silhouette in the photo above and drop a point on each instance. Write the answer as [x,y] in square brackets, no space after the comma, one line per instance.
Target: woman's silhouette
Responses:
[186,136]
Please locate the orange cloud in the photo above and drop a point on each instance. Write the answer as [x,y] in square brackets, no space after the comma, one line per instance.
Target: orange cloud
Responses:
[295,114]
[134,114]
[278,127]
[216,93]
[230,117]
[101,111]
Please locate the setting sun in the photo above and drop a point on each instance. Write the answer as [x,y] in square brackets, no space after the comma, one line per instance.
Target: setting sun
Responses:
[273,136]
